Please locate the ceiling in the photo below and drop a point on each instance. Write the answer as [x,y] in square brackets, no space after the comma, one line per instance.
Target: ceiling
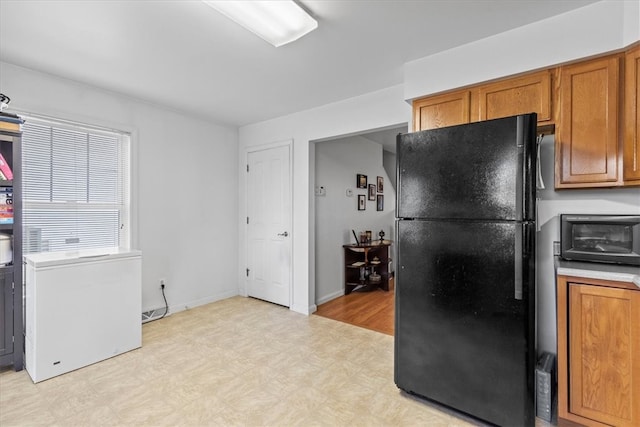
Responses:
[187,56]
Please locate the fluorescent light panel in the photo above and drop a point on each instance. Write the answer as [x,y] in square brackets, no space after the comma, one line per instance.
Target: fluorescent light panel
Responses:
[278,22]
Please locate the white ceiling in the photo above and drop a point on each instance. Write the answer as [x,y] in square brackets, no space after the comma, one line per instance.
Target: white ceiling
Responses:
[185,55]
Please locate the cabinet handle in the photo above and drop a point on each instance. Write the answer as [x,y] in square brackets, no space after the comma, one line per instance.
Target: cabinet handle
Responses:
[285,234]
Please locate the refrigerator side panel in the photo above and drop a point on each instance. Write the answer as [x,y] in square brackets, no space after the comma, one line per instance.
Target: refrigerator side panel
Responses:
[473,171]
[462,337]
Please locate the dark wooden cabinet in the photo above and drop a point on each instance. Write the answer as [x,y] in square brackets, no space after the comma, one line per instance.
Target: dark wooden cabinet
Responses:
[598,352]
[366,267]
[11,305]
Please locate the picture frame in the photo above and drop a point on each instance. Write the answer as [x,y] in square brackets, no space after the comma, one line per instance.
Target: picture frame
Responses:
[380,182]
[380,203]
[372,192]
[362,203]
[361,181]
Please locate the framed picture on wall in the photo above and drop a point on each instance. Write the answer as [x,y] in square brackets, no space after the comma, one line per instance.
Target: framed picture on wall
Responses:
[362,203]
[361,181]
[380,184]
[380,203]
[372,192]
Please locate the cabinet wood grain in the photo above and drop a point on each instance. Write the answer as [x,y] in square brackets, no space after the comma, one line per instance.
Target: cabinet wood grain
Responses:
[601,346]
[598,352]
[631,141]
[521,95]
[587,153]
[441,110]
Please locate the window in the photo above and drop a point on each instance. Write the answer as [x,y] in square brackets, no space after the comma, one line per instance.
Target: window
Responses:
[75,187]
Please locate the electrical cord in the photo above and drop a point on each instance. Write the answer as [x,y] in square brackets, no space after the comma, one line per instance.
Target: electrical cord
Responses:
[166,305]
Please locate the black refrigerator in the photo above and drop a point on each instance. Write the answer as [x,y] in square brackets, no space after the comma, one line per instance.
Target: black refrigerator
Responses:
[465,276]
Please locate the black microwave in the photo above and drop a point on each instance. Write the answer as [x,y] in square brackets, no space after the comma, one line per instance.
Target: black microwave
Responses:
[600,238]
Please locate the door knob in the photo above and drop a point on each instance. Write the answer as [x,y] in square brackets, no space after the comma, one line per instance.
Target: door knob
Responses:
[285,234]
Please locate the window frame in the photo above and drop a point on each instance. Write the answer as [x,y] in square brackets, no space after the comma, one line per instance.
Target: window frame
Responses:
[124,163]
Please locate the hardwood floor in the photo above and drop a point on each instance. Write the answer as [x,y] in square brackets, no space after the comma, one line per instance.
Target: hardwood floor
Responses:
[371,310]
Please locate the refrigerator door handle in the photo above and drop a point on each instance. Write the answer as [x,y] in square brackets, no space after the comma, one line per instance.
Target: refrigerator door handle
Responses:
[520,171]
[519,255]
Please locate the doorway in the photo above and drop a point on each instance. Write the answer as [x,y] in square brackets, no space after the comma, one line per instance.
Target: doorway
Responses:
[338,161]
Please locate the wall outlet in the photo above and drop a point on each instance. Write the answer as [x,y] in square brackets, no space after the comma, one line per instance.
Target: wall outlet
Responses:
[163,283]
[556,248]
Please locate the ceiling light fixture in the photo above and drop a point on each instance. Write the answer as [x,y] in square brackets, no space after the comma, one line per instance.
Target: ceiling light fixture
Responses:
[278,22]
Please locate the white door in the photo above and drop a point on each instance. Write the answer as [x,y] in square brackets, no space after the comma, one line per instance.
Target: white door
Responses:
[269,225]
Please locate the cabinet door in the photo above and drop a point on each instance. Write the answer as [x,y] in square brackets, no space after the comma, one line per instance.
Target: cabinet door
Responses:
[587,136]
[6,314]
[441,110]
[522,95]
[632,117]
[604,354]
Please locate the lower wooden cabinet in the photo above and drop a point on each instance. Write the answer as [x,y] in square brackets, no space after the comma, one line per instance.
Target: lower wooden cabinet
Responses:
[598,352]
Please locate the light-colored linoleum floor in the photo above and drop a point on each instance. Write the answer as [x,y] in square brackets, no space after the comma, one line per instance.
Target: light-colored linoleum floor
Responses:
[238,361]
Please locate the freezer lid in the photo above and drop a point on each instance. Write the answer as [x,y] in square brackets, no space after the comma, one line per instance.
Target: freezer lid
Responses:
[50,259]
[483,170]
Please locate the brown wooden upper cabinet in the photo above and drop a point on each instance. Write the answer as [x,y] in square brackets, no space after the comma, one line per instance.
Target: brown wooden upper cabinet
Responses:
[587,153]
[520,95]
[597,141]
[632,117]
[441,110]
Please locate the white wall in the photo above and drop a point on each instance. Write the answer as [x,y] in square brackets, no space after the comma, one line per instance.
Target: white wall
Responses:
[551,204]
[337,163]
[185,184]
[389,162]
[600,27]
[384,108]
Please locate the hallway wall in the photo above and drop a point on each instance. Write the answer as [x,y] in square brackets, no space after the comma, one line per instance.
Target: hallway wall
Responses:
[337,163]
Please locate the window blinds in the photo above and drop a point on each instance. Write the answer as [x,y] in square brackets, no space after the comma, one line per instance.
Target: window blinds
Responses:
[75,187]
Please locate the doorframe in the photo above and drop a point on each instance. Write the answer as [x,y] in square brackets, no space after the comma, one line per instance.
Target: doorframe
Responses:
[243,284]
[313,238]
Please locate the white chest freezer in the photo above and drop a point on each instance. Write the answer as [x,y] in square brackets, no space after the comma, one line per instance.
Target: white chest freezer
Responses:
[80,308]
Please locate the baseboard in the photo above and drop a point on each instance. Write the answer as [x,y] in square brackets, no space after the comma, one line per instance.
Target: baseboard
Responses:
[330,297]
[202,301]
[306,310]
